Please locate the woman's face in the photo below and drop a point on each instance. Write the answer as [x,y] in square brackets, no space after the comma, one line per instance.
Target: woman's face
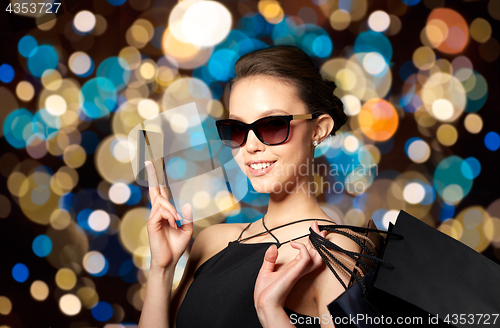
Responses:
[260,96]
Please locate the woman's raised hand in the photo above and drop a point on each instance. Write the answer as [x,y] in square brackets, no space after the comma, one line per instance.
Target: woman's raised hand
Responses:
[167,241]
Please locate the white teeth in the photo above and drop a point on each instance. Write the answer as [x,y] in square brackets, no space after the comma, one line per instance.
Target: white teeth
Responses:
[260,166]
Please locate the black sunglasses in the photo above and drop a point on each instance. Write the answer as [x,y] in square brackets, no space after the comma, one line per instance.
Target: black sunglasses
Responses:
[270,130]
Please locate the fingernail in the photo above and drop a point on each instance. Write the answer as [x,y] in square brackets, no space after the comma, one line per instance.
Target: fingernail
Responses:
[147,163]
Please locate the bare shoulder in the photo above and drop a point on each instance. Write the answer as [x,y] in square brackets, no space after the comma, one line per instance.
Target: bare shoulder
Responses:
[325,277]
[213,239]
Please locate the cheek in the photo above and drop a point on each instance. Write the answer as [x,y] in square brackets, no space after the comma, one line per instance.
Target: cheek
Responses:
[298,141]
[236,152]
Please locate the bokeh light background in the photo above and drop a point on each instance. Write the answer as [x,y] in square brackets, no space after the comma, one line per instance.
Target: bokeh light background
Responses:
[419,80]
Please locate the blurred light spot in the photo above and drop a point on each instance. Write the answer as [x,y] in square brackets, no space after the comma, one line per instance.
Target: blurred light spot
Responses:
[176,168]
[116,2]
[95,263]
[271,10]
[379,21]
[352,105]
[462,67]
[147,71]
[88,296]
[98,97]
[74,156]
[490,50]
[394,26]
[378,119]
[119,193]
[25,91]
[414,193]
[42,246]
[389,216]
[120,149]
[494,9]
[70,304]
[452,228]
[6,73]
[51,79]
[473,123]
[39,290]
[115,70]
[81,64]
[340,20]
[346,79]
[449,181]
[351,143]
[206,23]
[471,168]
[102,311]
[410,2]
[452,27]
[148,108]
[374,63]
[371,41]
[480,30]
[84,21]
[447,135]
[5,305]
[26,45]
[18,184]
[322,46]
[20,272]
[60,219]
[202,199]
[215,108]
[56,105]
[179,123]
[99,220]
[5,207]
[221,64]
[492,141]
[424,58]
[356,8]
[135,195]
[442,109]
[41,59]
[65,279]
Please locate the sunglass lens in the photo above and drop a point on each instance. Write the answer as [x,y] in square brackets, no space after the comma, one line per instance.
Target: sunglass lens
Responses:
[273,130]
[232,134]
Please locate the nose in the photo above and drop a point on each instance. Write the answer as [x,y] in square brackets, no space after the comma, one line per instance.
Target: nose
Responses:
[253,143]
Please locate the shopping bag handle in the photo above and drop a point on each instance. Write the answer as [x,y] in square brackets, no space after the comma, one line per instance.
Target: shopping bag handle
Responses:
[322,244]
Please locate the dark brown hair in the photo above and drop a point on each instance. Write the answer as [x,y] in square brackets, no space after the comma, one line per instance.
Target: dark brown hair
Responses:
[293,66]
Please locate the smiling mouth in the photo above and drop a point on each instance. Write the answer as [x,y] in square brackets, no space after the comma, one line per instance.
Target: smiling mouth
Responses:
[261,166]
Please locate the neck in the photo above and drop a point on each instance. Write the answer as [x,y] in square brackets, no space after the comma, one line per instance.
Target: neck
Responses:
[292,206]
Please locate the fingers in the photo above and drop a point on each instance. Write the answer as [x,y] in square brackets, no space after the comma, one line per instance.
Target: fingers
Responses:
[269,260]
[156,219]
[154,191]
[187,214]
[162,202]
[315,228]
[308,257]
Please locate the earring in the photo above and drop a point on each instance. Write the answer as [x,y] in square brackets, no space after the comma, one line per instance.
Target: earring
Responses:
[315,143]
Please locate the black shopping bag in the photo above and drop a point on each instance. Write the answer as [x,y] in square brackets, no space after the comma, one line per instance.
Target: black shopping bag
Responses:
[351,309]
[447,280]
[433,280]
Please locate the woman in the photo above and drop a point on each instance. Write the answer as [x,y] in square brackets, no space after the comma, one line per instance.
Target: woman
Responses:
[242,279]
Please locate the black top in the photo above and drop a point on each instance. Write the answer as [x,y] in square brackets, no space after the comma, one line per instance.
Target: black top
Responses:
[221,294]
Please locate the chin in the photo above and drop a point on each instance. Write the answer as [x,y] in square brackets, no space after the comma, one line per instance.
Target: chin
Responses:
[265,186]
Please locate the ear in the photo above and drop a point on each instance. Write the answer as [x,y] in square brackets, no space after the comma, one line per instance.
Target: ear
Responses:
[324,125]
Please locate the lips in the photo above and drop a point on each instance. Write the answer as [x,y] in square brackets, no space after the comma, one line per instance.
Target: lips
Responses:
[260,167]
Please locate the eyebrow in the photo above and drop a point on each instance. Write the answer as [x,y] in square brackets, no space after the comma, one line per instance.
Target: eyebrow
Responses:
[264,114]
